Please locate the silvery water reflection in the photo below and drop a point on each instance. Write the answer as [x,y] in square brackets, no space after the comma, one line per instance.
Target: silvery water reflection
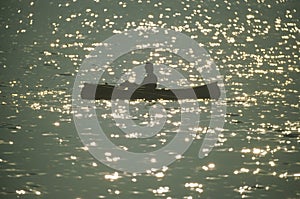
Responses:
[254,43]
[86,87]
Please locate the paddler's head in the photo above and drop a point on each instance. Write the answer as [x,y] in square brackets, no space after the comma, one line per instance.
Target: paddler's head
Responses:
[149,67]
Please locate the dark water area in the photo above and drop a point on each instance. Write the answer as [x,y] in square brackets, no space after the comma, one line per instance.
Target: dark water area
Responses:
[255,45]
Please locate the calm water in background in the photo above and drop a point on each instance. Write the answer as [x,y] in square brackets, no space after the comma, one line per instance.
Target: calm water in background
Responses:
[256,47]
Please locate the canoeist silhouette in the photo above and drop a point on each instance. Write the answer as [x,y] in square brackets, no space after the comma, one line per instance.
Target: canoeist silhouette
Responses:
[149,82]
[147,90]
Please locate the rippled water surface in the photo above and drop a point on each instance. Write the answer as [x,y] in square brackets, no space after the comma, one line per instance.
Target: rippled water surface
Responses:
[255,45]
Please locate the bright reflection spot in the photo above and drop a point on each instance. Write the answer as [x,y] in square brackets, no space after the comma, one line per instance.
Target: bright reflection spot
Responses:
[211,166]
[194,186]
[38,193]
[161,190]
[56,124]
[272,163]
[112,177]
[72,157]
[20,192]
[159,175]
[94,164]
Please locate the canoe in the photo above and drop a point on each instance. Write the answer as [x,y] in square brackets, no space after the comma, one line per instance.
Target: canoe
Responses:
[105,92]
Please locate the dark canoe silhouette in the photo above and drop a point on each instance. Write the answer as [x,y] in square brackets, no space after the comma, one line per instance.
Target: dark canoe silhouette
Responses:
[105,92]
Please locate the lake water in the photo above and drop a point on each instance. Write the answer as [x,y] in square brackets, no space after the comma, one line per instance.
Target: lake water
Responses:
[255,46]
